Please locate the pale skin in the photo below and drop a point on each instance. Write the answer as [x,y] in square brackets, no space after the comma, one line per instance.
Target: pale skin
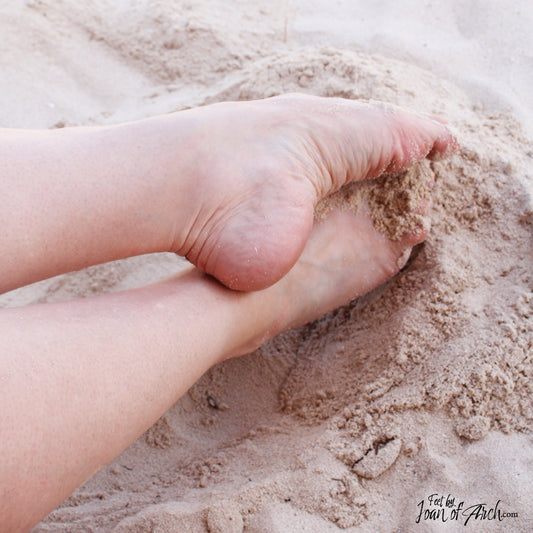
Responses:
[231,186]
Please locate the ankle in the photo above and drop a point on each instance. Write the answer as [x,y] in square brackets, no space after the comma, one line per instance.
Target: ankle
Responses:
[164,163]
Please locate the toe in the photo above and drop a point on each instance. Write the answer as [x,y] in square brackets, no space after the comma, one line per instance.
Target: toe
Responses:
[415,137]
[417,235]
[445,145]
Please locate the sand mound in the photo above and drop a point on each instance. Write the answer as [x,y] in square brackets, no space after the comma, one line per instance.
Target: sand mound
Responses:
[378,404]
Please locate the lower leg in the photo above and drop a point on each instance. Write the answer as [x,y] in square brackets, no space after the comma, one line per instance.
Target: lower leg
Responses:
[81,380]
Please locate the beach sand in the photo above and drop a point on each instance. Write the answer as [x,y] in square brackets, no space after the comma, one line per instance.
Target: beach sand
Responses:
[364,419]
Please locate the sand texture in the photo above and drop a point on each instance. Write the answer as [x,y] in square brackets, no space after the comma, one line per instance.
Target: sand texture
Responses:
[391,199]
[422,386]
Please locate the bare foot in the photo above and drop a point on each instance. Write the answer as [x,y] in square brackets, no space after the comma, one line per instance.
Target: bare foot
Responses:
[263,166]
[345,257]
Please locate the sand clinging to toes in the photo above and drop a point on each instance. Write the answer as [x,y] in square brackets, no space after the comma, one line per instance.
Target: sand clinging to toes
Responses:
[423,386]
[392,200]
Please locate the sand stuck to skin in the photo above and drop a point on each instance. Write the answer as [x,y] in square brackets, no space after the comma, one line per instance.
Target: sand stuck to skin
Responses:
[392,200]
[422,386]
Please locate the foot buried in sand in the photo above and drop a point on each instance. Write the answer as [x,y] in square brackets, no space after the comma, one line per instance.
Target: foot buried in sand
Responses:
[349,253]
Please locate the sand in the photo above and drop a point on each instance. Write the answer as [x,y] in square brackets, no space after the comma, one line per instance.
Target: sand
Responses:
[422,387]
[393,201]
